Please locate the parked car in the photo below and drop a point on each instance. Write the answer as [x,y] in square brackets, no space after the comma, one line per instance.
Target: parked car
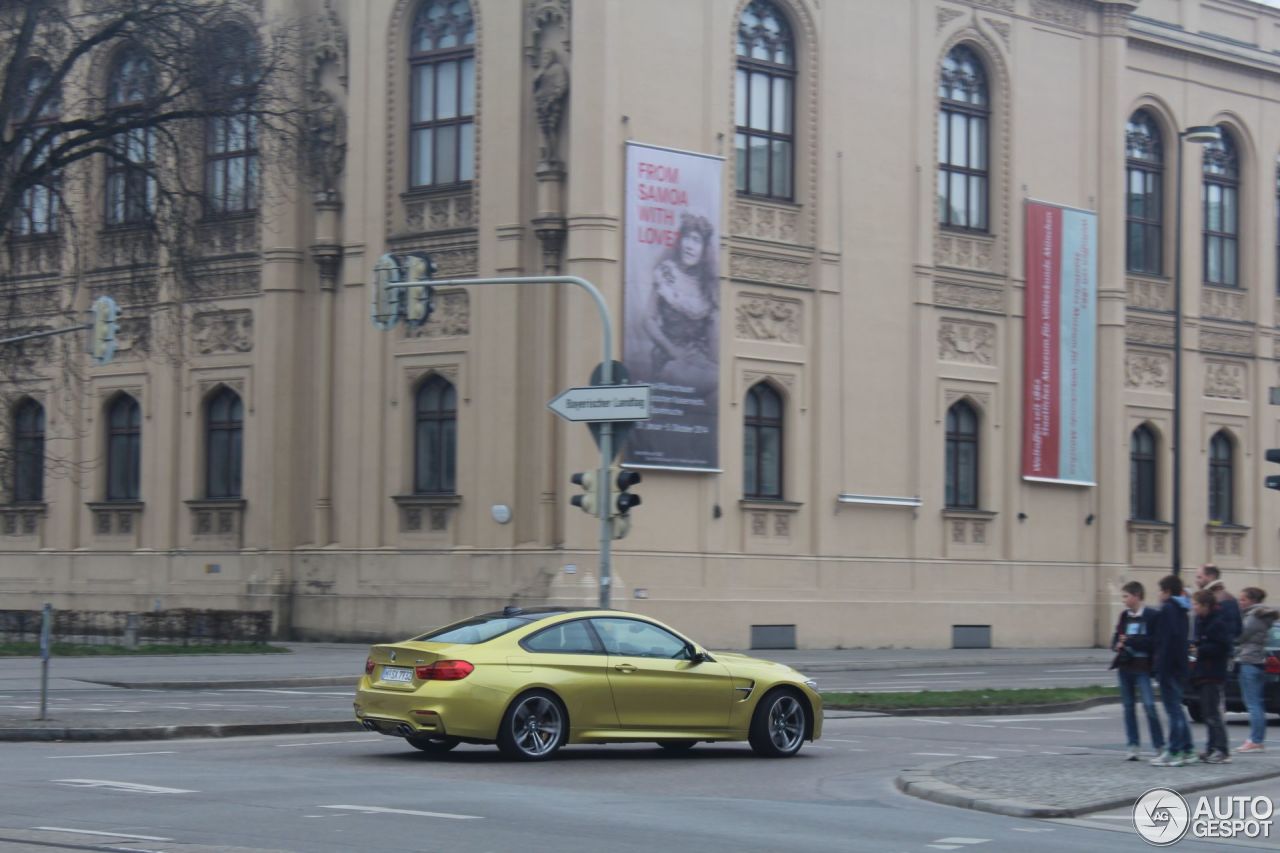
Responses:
[1231,695]
[532,680]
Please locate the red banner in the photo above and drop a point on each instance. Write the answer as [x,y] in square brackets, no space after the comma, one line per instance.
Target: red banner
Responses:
[1041,394]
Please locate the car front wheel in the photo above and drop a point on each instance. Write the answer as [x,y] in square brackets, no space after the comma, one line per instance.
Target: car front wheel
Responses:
[779,724]
[534,727]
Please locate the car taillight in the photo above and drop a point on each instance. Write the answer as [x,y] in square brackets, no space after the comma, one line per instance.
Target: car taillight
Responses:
[444,670]
[1273,665]
[368,666]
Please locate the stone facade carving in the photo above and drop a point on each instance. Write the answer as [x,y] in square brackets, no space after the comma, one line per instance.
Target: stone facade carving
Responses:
[999,5]
[967,342]
[768,270]
[1066,13]
[133,337]
[211,280]
[237,236]
[547,47]
[222,331]
[1222,304]
[975,297]
[1150,294]
[1147,371]
[1225,380]
[451,317]
[1001,29]
[325,92]
[954,250]
[764,222]
[1151,334]
[1236,343]
[767,318]
[440,213]
[946,16]
[36,256]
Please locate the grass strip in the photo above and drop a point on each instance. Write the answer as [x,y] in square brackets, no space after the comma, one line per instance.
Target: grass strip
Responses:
[95,649]
[964,698]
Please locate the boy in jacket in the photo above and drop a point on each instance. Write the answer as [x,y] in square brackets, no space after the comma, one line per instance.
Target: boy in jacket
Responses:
[1213,641]
[1170,668]
[1133,644]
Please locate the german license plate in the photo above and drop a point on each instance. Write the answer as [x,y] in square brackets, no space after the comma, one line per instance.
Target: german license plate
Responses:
[402,674]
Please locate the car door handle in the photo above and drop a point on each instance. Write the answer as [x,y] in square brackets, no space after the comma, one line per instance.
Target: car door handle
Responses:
[625,667]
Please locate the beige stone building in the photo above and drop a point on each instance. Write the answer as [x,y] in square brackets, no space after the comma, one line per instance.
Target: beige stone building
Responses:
[878,155]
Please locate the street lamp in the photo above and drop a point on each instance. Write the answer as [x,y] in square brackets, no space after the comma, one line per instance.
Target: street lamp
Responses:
[1201,134]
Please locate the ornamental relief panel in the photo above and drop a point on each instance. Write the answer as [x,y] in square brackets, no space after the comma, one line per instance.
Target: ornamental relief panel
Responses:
[133,336]
[451,317]
[453,260]
[1151,334]
[1149,294]
[971,253]
[1147,371]
[36,256]
[1235,343]
[967,342]
[1066,13]
[1225,380]
[222,331]
[767,318]
[764,222]
[229,236]
[439,213]
[946,16]
[1222,304]
[976,297]
[768,270]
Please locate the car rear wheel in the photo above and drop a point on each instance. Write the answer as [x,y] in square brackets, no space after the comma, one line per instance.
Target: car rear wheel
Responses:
[779,724]
[677,745]
[534,727]
[433,745]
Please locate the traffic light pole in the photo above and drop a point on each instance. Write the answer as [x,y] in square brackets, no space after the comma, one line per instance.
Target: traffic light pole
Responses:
[606,378]
[48,333]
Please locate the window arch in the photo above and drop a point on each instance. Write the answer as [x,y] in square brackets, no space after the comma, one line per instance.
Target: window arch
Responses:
[124,448]
[224,442]
[1222,478]
[964,118]
[28,451]
[435,442]
[131,189]
[442,71]
[1142,474]
[762,443]
[1221,197]
[40,104]
[231,140]
[1144,194]
[962,457]
[764,103]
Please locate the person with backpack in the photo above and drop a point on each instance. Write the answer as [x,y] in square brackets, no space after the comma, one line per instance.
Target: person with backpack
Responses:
[1170,665]
[1213,642]
[1133,643]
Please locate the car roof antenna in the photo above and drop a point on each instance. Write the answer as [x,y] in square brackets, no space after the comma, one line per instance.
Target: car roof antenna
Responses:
[511,610]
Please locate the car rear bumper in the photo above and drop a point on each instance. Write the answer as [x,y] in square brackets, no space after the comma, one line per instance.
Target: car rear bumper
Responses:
[434,709]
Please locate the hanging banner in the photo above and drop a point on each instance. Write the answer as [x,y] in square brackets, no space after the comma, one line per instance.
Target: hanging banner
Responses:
[1060,344]
[672,300]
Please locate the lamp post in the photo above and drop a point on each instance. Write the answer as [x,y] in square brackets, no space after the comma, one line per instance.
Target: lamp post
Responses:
[1200,134]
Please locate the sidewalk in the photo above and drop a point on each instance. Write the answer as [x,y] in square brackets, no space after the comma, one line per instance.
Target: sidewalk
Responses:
[103,698]
[1071,784]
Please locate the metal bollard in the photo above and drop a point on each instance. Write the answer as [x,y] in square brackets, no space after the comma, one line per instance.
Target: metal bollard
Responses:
[46,627]
[131,631]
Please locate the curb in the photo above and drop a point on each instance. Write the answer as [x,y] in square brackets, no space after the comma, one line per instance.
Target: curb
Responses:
[299,681]
[175,732]
[922,783]
[982,710]
[856,666]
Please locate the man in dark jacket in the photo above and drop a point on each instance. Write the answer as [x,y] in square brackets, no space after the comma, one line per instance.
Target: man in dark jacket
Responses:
[1209,577]
[1133,643]
[1170,668]
[1212,652]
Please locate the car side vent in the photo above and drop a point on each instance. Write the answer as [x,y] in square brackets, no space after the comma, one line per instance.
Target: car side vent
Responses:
[744,687]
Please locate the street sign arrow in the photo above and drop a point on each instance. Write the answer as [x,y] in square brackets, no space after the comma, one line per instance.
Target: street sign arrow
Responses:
[603,403]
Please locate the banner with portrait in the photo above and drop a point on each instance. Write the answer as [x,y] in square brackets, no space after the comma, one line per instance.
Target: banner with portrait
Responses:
[672,304]
[1058,384]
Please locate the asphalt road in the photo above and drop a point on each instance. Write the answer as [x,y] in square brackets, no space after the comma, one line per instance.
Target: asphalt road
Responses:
[325,794]
[967,678]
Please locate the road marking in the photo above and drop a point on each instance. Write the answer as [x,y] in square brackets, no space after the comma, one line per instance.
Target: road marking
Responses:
[936,722]
[815,746]
[1006,749]
[115,755]
[327,742]
[1024,728]
[381,810]
[1072,731]
[122,786]
[1024,829]
[939,754]
[927,674]
[1044,719]
[962,840]
[288,692]
[978,725]
[1092,669]
[97,832]
[1111,817]
[944,846]
[986,757]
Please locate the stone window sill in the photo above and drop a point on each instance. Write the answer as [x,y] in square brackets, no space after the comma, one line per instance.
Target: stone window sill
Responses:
[771,505]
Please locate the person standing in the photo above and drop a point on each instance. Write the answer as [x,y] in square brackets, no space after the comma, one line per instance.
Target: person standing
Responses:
[1133,644]
[1209,578]
[1252,658]
[1170,667]
[1213,644]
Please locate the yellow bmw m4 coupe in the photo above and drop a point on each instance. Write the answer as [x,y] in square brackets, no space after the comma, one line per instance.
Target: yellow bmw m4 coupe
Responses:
[532,680]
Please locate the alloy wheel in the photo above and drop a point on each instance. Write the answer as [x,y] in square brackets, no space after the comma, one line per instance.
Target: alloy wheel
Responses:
[786,723]
[537,726]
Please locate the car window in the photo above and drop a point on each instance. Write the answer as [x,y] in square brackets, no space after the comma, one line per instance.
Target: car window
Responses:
[1274,639]
[639,639]
[478,630]
[567,637]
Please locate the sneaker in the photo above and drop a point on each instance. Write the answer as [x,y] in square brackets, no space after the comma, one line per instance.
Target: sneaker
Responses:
[1190,757]
[1165,759]
[1218,757]
[1133,754]
[1250,746]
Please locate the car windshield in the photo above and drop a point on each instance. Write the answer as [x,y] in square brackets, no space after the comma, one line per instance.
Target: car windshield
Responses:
[478,630]
[1275,637]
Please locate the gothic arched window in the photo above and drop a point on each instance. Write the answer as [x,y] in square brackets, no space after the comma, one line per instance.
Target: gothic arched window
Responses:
[224,444]
[1142,475]
[764,103]
[28,451]
[124,449]
[442,91]
[962,457]
[964,116]
[1221,195]
[435,437]
[131,188]
[762,443]
[1221,478]
[40,105]
[231,138]
[1144,194]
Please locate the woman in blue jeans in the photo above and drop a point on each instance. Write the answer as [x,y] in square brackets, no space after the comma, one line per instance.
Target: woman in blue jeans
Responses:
[1132,643]
[1257,621]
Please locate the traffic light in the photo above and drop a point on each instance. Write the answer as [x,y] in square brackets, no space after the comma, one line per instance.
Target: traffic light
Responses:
[419,301]
[589,500]
[1273,480]
[102,342]
[626,500]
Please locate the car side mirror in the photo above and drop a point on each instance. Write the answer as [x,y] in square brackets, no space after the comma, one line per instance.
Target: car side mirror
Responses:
[695,656]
